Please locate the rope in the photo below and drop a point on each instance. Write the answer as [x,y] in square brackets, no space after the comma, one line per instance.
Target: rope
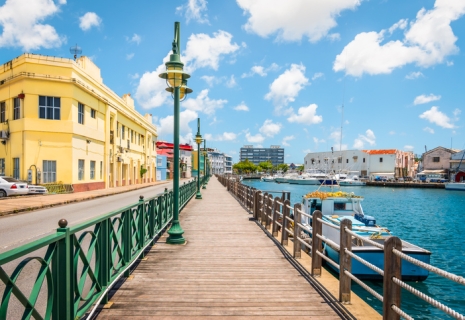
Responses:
[329,224]
[445,274]
[373,243]
[428,299]
[304,243]
[332,244]
[328,260]
[364,262]
[364,286]
[401,313]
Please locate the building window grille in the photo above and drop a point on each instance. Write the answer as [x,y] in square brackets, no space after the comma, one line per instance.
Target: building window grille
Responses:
[49,108]
[436,159]
[101,170]
[92,113]
[347,160]
[16,168]
[380,159]
[80,113]
[80,169]
[49,171]
[122,132]
[363,160]
[2,112]
[16,108]
[2,167]
[92,170]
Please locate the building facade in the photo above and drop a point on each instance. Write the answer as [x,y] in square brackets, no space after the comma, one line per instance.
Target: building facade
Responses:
[161,167]
[438,160]
[228,164]
[185,158]
[457,166]
[275,154]
[60,123]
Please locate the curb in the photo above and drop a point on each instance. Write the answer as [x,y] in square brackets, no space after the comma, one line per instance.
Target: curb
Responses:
[60,203]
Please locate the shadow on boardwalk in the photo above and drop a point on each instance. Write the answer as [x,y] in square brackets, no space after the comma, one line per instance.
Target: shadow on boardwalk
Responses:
[228,268]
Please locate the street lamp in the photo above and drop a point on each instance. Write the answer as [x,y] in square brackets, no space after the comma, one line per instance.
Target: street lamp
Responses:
[198,140]
[204,163]
[176,80]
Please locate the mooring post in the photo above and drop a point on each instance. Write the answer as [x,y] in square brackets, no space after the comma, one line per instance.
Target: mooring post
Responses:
[297,221]
[392,268]
[345,262]
[284,233]
[317,244]
[274,226]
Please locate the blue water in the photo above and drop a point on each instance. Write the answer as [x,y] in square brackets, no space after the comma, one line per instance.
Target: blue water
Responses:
[430,218]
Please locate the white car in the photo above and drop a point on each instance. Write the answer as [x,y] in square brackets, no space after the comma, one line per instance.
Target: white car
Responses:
[33,189]
[12,187]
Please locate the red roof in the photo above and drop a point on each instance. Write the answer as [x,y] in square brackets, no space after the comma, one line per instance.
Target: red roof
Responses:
[169,145]
[385,151]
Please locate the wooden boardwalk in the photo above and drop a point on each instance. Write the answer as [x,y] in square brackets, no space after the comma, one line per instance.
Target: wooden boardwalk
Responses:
[229,269]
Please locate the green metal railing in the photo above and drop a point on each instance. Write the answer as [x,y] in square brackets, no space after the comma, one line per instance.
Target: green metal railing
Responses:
[81,263]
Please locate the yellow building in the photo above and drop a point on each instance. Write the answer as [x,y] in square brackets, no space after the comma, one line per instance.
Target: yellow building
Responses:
[58,119]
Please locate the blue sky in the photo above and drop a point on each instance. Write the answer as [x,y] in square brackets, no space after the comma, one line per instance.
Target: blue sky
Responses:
[271,72]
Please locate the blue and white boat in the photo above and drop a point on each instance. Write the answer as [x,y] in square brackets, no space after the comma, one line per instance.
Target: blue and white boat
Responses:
[337,206]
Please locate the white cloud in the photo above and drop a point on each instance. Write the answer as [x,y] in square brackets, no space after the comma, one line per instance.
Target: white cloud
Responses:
[428,41]
[21,27]
[307,151]
[392,132]
[414,75]
[317,75]
[194,10]
[89,20]
[368,137]
[401,24]
[260,70]
[258,138]
[287,86]
[435,116]
[211,80]
[306,115]
[241,107]
[408,148]
[425,99]
[129,56]
[165,127]
[336,137]
[270,129]
[226,136]
[334,37]
[286,139]
[231,82]
[428,129]
[456,113]
[134,76]
[203,103]
[135,38]
[202,51]
[292,20]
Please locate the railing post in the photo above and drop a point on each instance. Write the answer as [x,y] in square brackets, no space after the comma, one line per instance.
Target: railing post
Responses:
[152,230]
[269,207]
[126,236]
[284,233]
[392,268]
[317,244]
[141,225]
[227,184]
[274,226]
[256,211]
[297,221]
[105,257]
[63,275]
[345,261]
[264,206]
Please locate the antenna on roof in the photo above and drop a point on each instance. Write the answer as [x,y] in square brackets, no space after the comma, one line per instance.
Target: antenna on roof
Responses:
[75,50]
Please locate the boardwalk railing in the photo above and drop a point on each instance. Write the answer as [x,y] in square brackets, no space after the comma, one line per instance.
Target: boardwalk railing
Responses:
[78,265]
[274,213]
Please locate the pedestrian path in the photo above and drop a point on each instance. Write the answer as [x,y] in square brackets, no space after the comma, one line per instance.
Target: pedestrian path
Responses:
[228,269]
[19,204]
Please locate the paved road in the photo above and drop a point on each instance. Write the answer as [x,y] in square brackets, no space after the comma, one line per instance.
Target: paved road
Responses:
[16,230]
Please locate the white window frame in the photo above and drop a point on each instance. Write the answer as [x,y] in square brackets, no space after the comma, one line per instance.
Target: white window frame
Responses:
[49,171]
[92,170]
[81,169]
[81,110]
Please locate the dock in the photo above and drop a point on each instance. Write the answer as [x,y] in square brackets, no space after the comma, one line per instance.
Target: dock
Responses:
[229,267]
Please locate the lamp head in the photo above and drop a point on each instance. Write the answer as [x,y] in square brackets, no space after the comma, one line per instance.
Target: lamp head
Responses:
[184,90]
[198,138]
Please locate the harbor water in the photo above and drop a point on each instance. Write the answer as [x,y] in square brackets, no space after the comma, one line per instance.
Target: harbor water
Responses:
[430,218]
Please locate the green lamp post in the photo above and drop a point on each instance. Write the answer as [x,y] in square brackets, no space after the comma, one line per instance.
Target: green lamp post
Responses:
[205,163]
[198,140]
[176,80]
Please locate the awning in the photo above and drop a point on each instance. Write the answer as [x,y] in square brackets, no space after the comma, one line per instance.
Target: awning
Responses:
[433,171]
[382,173]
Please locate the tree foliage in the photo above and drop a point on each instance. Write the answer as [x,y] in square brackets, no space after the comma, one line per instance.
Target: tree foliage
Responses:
[244,167]
[266,166]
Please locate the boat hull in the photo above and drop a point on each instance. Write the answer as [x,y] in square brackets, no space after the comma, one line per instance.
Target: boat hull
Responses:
[410,272]
[455,186]
[351,183]
[281,180]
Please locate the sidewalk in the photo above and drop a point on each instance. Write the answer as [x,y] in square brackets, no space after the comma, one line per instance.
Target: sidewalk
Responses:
[34,202]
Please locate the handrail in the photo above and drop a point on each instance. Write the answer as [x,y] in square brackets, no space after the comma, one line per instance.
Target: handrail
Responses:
[267,211]
[89,256]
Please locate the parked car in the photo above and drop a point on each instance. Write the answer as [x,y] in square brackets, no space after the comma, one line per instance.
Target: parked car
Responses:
[33,189]
[12,187]
[381,178]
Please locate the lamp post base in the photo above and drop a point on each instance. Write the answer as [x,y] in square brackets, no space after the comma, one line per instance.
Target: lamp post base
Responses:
[175,234]
[203,187]
[198,195]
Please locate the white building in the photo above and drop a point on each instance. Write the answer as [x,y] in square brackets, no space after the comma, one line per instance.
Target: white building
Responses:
[389,162]
[228,163]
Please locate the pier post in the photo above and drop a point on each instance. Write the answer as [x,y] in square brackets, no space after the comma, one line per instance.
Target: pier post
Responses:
[345,262]
[297,221]
[256,206]
[392,268]
[284,233]
[264,206]
[269,207]
[275,217]
[317,245]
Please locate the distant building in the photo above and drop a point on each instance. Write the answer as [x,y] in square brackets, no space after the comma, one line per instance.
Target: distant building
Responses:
[438,160]
[220,162]
[275,154]
[228,164]
[161,167]
[457,166]
[185,158]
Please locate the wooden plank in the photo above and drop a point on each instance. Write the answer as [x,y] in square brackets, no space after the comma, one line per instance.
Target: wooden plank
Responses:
[228,268]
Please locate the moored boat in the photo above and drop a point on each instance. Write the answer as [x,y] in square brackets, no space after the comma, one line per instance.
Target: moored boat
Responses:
[353,181]
[337,206]
[455,186]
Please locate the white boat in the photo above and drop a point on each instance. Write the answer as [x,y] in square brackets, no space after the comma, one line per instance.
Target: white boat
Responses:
[268,178]
[285,178]
[337,206]
[353,181]
[304,179]
[455,186]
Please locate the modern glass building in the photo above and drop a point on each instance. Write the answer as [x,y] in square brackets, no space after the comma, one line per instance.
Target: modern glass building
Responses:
[275,154]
